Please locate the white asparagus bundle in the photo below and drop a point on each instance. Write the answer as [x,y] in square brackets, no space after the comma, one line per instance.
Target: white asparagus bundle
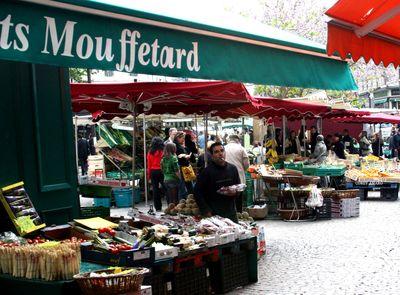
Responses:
[60,262]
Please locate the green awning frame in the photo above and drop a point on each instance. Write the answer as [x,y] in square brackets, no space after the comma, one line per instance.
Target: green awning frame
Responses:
[260,54]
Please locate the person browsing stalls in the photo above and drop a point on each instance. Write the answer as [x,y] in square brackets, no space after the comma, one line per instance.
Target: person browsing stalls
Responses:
[216,175]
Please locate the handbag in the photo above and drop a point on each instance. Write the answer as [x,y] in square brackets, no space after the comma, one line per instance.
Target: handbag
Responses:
[188,173]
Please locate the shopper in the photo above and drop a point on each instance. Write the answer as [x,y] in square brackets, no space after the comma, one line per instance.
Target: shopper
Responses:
[154,172]
[348,141]
[216,175]
[320,152]
[172,133]
[170,169]
[338,146]
[202,140]
[191,147]
[365,144]
[83,154]
[186,187]
[313,138]
[237,156]
[201,164]
[259,152]
[377,144]
[292,144]
[279,142]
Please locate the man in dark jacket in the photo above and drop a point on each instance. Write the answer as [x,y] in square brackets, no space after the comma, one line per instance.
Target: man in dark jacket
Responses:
[313,139]
[83,153]
[338,146]
[348,141]
[216,175]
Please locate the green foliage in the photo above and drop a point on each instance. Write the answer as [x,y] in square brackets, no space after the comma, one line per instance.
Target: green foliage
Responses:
[280,92]
[77,75]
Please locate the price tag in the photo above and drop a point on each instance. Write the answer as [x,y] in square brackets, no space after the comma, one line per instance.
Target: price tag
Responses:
[25,224]
[140,255]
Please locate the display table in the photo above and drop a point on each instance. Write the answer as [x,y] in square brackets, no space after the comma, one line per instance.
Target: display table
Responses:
[20,286]
[388,191]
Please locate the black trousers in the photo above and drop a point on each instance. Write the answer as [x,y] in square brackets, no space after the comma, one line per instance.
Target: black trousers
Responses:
[157,180]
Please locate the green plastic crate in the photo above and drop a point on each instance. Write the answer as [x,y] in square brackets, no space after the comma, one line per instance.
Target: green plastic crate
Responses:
[293,166]
[330,171]
[309,170]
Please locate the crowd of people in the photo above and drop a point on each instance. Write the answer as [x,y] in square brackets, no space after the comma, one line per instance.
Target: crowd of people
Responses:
[317,147]
[219,162]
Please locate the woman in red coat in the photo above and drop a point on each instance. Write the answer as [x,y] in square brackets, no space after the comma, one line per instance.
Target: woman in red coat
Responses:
[154,173]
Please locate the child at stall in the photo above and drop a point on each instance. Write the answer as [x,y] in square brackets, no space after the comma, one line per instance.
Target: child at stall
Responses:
[170,169]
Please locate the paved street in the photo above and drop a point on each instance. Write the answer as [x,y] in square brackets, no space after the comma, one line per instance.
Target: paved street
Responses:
[339,256]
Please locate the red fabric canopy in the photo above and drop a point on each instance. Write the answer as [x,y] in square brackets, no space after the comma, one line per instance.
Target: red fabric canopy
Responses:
[343,113]
[373,119]
[368,28]
[268,107]
[158,97]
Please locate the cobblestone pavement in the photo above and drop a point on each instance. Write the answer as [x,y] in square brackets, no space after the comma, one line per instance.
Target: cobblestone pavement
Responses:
[340,256]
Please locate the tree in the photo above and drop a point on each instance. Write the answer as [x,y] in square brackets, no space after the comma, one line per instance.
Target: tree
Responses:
[79,75]
[306,18]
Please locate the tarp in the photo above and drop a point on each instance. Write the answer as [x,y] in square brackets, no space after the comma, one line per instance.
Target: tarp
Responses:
[158,97]
[369,29]
[373,119]
[268,107]
[122,36]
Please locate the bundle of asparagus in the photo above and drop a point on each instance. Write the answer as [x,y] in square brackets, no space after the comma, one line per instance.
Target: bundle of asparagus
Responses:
[60,261]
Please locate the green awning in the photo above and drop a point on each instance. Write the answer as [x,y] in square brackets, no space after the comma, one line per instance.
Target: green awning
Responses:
[380,101]
[127,36]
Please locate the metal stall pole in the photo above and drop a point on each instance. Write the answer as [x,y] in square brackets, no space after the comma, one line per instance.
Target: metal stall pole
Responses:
[284,134]
[134,155]
[197,131]
[303,126]
[76,144]
[145,158]
[206,139]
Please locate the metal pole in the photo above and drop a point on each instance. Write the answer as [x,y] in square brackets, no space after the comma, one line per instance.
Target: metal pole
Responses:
[284,134]
[76,144]
[206,139]
[145,158]
[197,132]
[303,126]
[134,156]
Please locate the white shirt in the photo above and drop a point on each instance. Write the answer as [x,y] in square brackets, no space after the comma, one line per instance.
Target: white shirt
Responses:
[237,156]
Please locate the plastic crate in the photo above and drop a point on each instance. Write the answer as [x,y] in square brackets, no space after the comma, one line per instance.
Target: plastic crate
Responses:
[104,202]
[88,212]
[193,281]
[389,194]
[123,197]
[325,211]
[160,284]
[293,166]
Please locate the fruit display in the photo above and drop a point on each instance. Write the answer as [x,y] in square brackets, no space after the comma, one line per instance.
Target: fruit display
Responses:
[244,217]
[187,207]
[372,174]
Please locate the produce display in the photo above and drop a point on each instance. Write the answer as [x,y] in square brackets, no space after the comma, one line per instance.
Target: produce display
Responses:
[20,209]
[187,207]
[39,259]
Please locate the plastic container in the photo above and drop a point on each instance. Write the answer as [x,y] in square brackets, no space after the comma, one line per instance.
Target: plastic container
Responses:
[123,197]
[103,202]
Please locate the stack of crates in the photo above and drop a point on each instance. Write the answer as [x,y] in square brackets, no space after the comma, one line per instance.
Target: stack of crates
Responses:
[345,208]
[236,267]
[191,274]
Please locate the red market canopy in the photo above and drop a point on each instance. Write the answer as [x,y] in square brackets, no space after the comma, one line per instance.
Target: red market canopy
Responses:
[377,118]
[158,97]
[369,29]
[268,107]
[345,113]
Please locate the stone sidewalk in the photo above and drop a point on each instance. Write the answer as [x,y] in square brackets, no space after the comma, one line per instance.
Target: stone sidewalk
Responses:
[340,256]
